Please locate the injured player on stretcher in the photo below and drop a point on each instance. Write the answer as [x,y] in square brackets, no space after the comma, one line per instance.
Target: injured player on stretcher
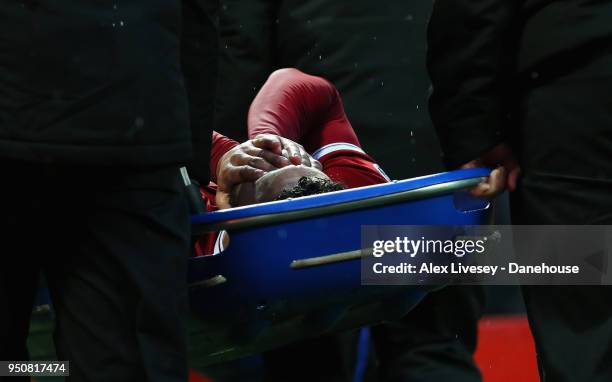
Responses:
[301,143]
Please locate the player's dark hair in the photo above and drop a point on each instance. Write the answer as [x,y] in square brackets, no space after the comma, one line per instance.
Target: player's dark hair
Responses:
[310,185]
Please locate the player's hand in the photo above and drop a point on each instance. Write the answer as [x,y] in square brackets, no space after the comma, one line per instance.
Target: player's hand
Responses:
[504,176]
[293,151]
[243,163]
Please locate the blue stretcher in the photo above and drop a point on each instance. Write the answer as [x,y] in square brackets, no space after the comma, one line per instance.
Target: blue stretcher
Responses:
[292,268]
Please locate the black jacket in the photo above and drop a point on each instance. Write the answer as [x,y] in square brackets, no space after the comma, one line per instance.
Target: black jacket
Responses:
[93,82]
[483,54]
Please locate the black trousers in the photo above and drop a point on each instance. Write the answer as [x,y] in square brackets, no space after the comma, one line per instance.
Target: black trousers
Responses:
[328,358]
[565,150]
[434,342]
[113,245]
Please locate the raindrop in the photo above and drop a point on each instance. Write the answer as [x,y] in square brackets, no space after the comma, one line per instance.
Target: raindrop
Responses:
[374,38]
[113,25]
[411,133]
[277,21]
[320,57]
[382,83]
[115,7]
[417,107]
[121,23]
[413,159]
[409,18]
[226,46]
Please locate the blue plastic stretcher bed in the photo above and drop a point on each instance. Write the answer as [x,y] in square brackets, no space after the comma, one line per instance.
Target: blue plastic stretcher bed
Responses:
[292,268]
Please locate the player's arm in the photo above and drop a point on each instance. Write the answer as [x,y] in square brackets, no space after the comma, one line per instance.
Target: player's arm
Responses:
[220,145]
[309,109]
[300,107]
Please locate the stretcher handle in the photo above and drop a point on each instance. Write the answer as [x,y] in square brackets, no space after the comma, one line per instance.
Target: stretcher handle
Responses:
[192,192]
[330,259]
[209,283]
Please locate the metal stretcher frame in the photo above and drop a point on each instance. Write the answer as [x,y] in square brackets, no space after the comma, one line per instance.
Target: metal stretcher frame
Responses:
[469,178]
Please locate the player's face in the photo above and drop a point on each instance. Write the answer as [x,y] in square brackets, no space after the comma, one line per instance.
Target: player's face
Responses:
[268,187]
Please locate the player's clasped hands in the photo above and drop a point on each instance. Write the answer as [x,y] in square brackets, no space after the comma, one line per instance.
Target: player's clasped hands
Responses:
[252,159]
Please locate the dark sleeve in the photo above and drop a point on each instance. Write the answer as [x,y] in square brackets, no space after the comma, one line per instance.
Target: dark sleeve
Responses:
[199,60]
[248,52]
[471,54]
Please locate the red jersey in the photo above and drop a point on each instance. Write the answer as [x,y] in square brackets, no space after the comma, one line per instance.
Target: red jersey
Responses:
[308,110]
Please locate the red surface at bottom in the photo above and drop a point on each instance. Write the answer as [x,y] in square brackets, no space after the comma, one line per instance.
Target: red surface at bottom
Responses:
[506,352]
[194,376]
